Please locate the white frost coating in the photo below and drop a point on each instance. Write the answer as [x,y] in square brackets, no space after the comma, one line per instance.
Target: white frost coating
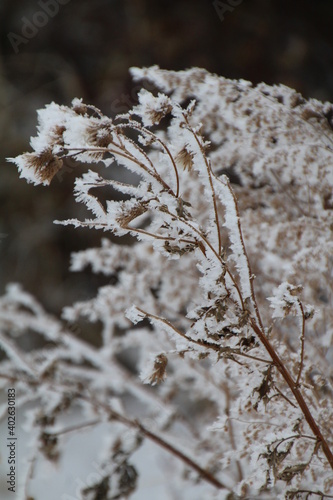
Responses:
[285,300]
[150,108]
[13,353]
[278,146]
[50,118]
[232,222]
[25,171]
[82,188]
[134,315]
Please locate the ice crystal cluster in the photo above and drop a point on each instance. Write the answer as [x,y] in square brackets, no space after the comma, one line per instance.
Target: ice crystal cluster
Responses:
[221,294]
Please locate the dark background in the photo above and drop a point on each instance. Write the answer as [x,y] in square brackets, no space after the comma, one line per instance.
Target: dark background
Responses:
[85,51]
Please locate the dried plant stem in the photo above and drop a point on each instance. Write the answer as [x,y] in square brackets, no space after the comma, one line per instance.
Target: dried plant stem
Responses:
[204,242]
[318,493]
[302,344]
[280,393]
[250,275]
[127,156]
[277,362]
[75,428]
[204,474]
[137,126]
[231,429]
[295,390]
[157,236]
[210,178]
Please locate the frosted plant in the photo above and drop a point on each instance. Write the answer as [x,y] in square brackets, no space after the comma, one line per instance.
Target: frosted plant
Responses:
[221,292]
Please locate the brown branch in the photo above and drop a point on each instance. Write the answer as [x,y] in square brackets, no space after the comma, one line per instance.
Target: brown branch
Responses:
[158,236]
[280,393]
[301,363]
[295,390]
[74,428]
[210,174]
[310,492]
[138,148]
[206,242]
[129,157]
[278,363]
[205,474]
[200,342]
[137,126]
[253,297]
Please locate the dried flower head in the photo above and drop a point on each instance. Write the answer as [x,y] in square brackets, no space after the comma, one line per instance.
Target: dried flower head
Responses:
[185,158]
[159,372]
[39,167]
[152,109]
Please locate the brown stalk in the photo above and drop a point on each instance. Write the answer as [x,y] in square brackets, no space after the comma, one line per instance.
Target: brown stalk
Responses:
[204,474]
[137,126]
[302,344]
[277,362]
[128,156]
[295,390]
[210,175]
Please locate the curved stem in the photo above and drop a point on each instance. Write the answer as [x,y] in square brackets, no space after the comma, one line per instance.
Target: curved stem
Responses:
[114,415]
[250,275]
[295,390]
[137,126]
[210,174]
[206,475]
[302,343]
[129,157]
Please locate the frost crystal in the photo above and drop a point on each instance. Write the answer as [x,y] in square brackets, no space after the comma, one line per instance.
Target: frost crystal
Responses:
[224,194]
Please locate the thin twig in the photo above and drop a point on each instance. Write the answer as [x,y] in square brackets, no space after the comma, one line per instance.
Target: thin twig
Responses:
[280,393]
[206,475]
[158,236]
[114,415]
[301,363]
[74,428]
[250,275]
[127,156]
[218,256]
[210,174]
[200,342]
[137,126]
[123,147]
[295,390]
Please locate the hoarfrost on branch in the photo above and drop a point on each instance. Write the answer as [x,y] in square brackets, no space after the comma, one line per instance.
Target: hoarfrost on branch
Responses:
[225,200]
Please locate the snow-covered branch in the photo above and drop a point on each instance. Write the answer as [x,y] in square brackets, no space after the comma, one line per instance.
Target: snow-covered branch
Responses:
[227,198]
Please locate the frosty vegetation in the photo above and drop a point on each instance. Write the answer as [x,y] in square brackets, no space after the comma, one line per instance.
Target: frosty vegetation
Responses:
[221,289]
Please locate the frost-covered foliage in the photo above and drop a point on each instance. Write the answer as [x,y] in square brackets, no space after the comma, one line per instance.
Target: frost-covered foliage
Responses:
[221,292]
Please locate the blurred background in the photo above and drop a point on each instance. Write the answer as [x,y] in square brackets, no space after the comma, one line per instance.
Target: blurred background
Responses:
[55,50]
